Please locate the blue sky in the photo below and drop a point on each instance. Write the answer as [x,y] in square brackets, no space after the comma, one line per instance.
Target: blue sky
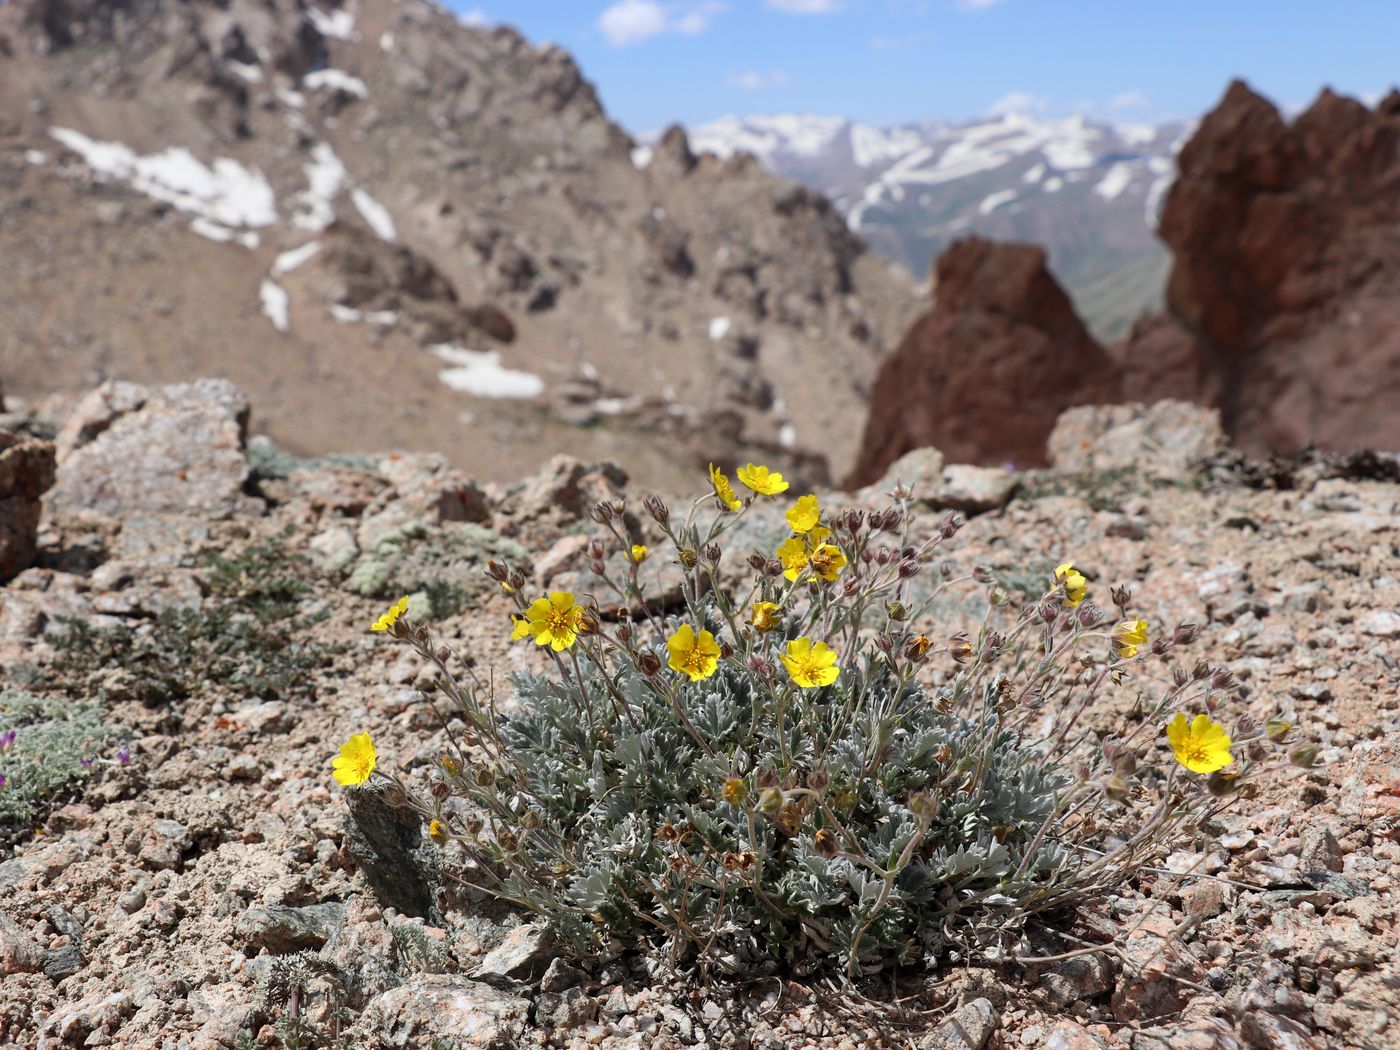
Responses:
[888,61]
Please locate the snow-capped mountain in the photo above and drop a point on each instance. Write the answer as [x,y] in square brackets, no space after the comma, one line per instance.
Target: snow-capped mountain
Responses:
[1087,190]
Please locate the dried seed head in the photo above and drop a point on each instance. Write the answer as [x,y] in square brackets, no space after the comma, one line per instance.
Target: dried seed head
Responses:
[497,571]
[507,840]
[395,795]
[983,575]
[1223,678]
[725,650]
[883,556]
[897,611]
[761,667]
[945,569]
[1089,615]
[439,789]
[1185,633]
[1221,784]
[1160,646]
[688,558]
[517,579]
[668,833]
[824,843]
[1048,612]
[648,663]
[1121,597]
[818,779]
[474,825]
[774,568]
[1180,676]
[908,569]
[1246,726]
[531,820]
[596,550]
[1200,671]
[483,777]
[713,553]
[658,510]
[597,567]
[950,525]
[959,647]
[601,512]
[757,561]
[853,520]
[923,805]
[790,818]
[624,633]
[885,642]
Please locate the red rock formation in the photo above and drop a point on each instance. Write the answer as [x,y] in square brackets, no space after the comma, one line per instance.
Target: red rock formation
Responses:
[984,374]
[1287,272]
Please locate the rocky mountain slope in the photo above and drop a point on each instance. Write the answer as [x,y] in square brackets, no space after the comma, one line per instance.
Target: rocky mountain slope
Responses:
[395,230]
[1089,191]
[187,660]
[1280,309]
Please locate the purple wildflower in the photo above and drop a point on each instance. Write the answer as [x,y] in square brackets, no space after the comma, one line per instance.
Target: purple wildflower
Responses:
[124,756]
[86,763]
[7,738]
[2,780]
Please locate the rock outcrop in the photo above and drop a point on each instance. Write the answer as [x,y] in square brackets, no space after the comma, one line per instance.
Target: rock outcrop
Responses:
[1286,272]
[26,471]
[985,373]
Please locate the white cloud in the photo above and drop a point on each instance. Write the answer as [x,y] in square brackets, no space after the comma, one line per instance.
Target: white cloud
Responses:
[475,17]
[629,22]
[977,5]
[1129,100]
[806,7]
[1018,102]
[751,80]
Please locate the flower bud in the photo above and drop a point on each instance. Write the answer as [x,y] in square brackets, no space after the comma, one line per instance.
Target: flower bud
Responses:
[770,801]
[734,791]
[945,569]
[648,663]
[1048,612]
[908,569]
[497,571]
[818,779]
[658,510]
[624,633]
[1277,730]
[1089,615]
[950,525]
[882,556]
[774,567]
[897,611]
[983,575]
[439,789]
[824,843]
[1160,646]
[601,512]
[959,647]
[395,795]
[885,643]
[917,648]
[1180,676]
[474,825]
[1116,787]
[853,520]
[1223,678]
[1200,671]
[725,650]
[1185,633]
[1121,597]
[761,667]
[531,820]
[507,840]
[757,561]
[923,805]
[517,579]
[713,553]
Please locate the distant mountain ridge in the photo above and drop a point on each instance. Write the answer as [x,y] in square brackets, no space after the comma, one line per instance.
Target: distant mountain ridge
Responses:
[1087,190]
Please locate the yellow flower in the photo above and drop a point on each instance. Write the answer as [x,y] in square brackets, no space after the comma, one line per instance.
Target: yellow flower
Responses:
[804,514]
[520,628]
[792,552]
[392,616]
[355,762]
[766,616]
[827,561]
[695,655]
[1128,635]
[724,491]
[762,480]
[1075,584]
[1201,745]
[437,832]
[554,621]
[734,790]
[639,553]
[809,664]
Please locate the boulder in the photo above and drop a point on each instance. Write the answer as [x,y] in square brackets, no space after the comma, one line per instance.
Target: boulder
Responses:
[1168,440]
[986,372]
[26,472]
[431,1008]
[176,449]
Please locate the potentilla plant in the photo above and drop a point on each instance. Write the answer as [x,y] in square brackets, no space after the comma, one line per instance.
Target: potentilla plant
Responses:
[776,773]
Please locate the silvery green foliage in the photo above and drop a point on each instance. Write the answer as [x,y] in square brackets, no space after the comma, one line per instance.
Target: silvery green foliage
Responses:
[623,829]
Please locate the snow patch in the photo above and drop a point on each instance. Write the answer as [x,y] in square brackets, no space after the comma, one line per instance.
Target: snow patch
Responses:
[275,303]
[993,201]
[338,24]
[325,175]
[291,99]
[719,328]
[481,374]
[336,79]
[290,260]
[787,435]
[1053,184]
[641,157]
[871,146]
[347,315]
[1118,179]
[386,41]
[223,235]
[802,135]
[374,213]
[35,157]
[252,74]
[1035,174]
[226,193]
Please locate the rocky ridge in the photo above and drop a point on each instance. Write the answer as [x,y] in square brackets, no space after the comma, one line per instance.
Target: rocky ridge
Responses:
[205,859]
[396,230]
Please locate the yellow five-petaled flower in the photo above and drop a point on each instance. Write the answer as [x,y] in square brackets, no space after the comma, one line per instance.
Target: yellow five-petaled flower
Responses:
[554,621]
[763,481]
[766,616]
[1128,635]
[391,617]
[798,552]
[355,762]
[724,491]
[810,664]
[1075,584]
[803,515]
[639,553]
[695,655]
[1201,745]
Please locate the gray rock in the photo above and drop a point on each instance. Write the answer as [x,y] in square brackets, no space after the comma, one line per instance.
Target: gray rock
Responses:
[178,451]
[1380,624]
[1168,440]
[1320,851]
[459,1012]
[523,954]
[26,472]
[162,844]
[559,976]
[567,1009]
[1077,980]
[920,471]
[281,929]
[387,843]
[1067,1035]
[974,490]
[968,1029]
[18,954]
